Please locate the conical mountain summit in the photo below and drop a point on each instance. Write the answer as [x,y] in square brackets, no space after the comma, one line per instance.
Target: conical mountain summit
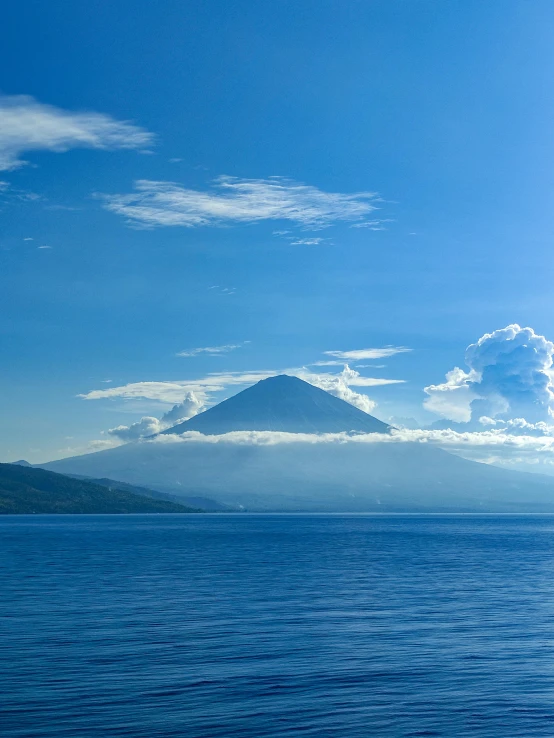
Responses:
[282,403]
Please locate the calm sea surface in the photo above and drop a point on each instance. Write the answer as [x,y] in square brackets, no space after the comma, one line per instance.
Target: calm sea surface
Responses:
[277,625]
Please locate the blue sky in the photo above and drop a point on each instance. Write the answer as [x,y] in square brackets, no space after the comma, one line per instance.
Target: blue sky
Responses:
[342,176]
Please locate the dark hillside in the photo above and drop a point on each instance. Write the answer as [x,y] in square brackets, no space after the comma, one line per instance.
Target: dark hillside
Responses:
[29,490]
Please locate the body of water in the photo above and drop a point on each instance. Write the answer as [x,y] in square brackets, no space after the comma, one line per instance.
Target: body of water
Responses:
[277,625]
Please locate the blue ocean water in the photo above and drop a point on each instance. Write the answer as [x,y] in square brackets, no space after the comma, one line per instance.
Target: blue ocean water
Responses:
[277,625]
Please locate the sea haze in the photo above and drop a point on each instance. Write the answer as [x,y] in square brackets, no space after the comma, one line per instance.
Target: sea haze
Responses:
[277,625]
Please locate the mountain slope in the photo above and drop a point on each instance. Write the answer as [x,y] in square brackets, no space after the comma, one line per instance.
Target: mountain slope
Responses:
[286,404]
[325,477]
[31,490]
[200,504]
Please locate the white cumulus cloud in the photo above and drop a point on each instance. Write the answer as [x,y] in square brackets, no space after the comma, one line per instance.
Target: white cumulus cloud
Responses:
[339,386]
[509,377]
[146,426]
[452,399]
[149,426]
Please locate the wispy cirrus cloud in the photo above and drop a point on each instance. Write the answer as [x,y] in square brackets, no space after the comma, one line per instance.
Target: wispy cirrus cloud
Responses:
[173,392]
[223,290]
[235,200]
[299,240]
[308,241]
[377,224]
[167,392]
[369,353]
[212,350]
[28,125]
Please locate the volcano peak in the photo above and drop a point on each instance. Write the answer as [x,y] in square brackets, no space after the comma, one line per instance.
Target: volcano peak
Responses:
[282,403]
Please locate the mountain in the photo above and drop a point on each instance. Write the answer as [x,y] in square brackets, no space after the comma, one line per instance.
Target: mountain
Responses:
[30,490]
[286,404]
[312,473]
[325,477]
[201,504]
[21,462]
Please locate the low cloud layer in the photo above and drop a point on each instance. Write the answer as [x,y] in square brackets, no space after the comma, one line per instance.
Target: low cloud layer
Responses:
[532,449]
[28,125]
[445,437]
[234,200]
[509,377]
[493,446]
